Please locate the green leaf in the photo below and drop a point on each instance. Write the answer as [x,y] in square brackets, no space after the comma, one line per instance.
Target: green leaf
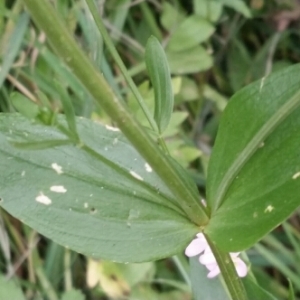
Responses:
[205,288]
[171,16]
[238,5]
[14,46]
[73,295]
[239,64]
[254,291]
[159,74]
[26,107]
[10,290]
[253,176]
[291,291]
[90,198]
[193,60]
[208,9]
[68,108]
[190,33]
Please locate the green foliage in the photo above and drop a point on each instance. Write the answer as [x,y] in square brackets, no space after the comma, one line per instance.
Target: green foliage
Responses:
[159,74]
[192,31]
[13,47]
[105,201]
[23,105]
[101,209]
[10,290]
[249,184]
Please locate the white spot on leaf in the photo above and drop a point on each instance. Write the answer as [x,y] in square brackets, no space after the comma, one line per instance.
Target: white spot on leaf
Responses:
[23,173]
[135,175]
[58,189]
[296,175]
[41,198]
[112,128]
[269,208]
[148,167]
[57,168]
[115,141]
[86,205]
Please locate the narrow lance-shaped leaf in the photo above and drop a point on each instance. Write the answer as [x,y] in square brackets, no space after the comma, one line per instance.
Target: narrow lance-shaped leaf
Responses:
[100,197]
[14,45]
[68,108]
[159,74]
[254,172]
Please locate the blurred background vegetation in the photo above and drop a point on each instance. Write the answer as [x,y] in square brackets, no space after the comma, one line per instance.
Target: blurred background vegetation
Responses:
[214,48]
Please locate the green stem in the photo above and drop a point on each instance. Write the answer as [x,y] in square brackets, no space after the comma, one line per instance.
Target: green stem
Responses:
[68,272]
[233,282]
[63,43]
[112,49]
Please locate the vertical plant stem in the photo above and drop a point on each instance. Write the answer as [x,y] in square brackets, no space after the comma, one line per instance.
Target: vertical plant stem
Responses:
[67,267]
[112,49]
[63,43]
[233,282]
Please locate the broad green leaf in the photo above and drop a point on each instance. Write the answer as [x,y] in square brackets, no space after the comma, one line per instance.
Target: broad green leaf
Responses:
[159,74]
[238,5]
[191,32]
[254,171]
[192,60]
[26,107]
[206,288]
[10,290]
[99,197]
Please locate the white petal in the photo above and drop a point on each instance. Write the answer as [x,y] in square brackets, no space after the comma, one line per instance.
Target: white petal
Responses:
[207,258]
[201,236]
[214,272]
[210,267]
[195,247]
[240,267]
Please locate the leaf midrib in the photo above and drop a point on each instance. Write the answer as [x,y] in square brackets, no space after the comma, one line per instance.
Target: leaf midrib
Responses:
[253,145]
[108,186]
